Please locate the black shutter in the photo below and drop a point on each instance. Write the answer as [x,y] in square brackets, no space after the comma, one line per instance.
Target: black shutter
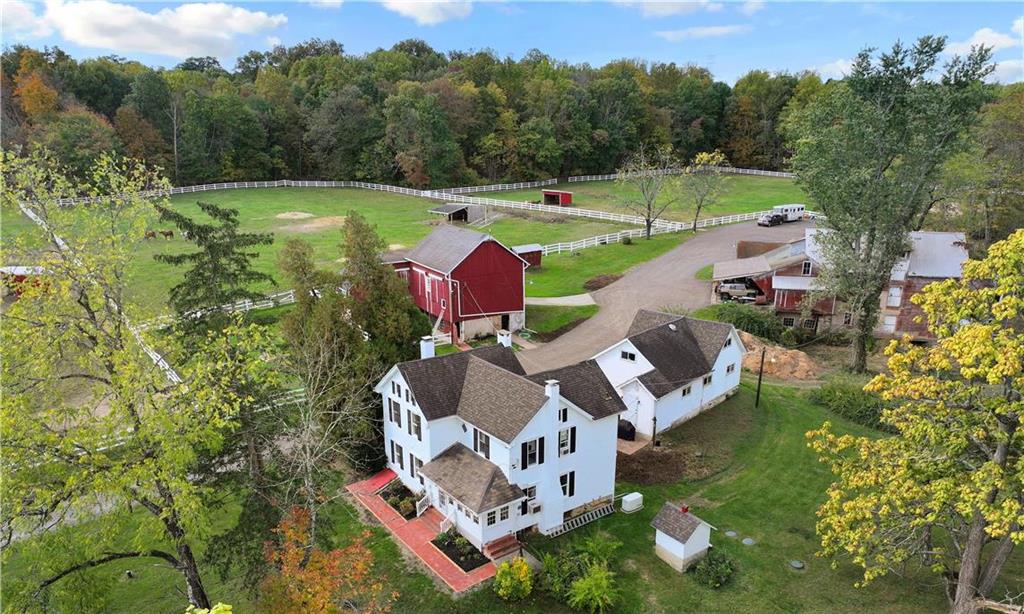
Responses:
[572,483]
[572,440]
[525,463]
[540,451]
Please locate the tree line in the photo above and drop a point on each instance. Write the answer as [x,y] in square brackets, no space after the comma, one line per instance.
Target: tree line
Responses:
[408,114]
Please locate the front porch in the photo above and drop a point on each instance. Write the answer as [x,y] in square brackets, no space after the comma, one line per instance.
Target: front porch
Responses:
[416,534]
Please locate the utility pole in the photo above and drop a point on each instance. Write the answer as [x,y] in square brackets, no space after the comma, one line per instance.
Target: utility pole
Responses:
[760,374]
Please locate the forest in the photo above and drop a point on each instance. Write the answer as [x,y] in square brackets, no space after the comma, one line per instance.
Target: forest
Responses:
[408,114]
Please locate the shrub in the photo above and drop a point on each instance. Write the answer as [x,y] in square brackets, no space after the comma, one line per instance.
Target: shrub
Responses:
[406,507]
[462,545]
[846,397]
[594,549]
[594,591]
[513,580]
[627,240]
[556,575]
[759,322]
[714,570]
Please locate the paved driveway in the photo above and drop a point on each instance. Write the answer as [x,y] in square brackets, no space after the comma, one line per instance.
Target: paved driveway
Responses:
[666,281]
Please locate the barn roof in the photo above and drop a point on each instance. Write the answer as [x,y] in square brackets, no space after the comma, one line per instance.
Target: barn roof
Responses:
[585,386]
[937,254]
[470,478]
[445,247]
[678,347]
[674,522]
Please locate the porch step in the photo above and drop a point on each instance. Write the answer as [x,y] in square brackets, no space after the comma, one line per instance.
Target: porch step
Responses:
[582,519]
[433,519]
[501,547]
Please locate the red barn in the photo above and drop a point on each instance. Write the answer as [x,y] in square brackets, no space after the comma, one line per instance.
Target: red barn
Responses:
[557,197]
[470,284]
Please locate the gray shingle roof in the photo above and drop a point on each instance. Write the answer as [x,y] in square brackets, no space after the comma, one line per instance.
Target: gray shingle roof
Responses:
[438,382]
[585,385]
[498,401]
[680,348]
[445,247]
[672,521]
[471,479]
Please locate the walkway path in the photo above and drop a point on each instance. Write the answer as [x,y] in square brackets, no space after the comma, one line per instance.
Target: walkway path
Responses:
[416,534]
[575,300]
[666,281]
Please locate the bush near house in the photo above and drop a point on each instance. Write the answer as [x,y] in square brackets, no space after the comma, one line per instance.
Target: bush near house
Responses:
[714,570]
[513,580]
[401,499]
[845,396]
[459,550]
[759,322]
[579,575]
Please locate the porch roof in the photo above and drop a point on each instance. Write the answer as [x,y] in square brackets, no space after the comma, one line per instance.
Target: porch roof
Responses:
[471,479]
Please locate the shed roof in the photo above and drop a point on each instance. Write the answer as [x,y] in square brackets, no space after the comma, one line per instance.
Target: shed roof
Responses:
[793,282]
[471,479]
[741,267]
[529,247]
[448,208]
[584,384]
[555,192]
[674,522]
[937,254]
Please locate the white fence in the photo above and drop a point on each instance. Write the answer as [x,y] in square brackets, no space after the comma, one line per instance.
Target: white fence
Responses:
[674,171]
[499,187]
[277,299]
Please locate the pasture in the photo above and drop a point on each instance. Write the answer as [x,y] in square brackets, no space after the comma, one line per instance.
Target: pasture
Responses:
[742,194]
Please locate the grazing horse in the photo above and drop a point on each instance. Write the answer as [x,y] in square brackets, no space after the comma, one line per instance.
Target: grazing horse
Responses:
[150,234]
[167,234]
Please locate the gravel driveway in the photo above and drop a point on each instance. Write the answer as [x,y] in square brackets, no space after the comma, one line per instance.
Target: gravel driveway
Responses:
[666,281]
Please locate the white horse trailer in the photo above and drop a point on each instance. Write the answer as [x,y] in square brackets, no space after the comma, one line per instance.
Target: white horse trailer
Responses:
[790,213]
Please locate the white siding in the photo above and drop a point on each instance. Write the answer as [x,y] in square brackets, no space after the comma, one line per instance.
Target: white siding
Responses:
[421,449]
[619,370]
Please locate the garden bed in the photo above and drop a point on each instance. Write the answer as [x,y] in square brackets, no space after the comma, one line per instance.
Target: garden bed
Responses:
[459,550]
[400,498]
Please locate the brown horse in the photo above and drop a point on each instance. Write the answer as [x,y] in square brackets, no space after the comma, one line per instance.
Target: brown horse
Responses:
[150,234]
[167,234]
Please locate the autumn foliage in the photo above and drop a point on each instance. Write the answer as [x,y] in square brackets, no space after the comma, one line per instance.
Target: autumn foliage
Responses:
[310,580]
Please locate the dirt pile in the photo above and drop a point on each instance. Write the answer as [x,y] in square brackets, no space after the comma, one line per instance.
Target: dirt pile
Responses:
[778,361]
[314,225]
[596,283]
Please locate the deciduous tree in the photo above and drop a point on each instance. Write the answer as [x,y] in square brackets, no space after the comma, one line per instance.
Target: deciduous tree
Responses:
[948,489]
[704,180]
[652,174]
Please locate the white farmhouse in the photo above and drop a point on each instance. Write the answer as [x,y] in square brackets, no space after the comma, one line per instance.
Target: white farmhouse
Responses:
[497,452]
[669,368]
[680,538]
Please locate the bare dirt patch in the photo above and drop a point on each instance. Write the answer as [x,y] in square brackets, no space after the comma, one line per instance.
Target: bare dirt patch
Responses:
[596,283]
[315,225]
[393,246]
[778,361]
[293,215]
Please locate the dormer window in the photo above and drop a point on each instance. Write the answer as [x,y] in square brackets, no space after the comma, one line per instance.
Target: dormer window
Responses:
[728,342]
[563,414]
[807,267]
[630,356]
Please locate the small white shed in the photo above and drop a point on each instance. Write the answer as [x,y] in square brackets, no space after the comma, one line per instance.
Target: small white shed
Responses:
[680,538]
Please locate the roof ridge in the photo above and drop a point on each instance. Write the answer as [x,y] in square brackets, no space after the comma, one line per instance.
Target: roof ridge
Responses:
[502,369]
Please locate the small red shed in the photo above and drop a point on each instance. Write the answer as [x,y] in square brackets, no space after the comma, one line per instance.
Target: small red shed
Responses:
[530,252]
[12,277]
[557,197]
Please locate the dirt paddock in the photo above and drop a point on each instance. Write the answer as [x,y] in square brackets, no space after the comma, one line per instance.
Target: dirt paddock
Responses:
[314,225]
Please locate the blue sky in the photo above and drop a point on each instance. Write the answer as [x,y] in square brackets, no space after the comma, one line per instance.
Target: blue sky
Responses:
[728,37]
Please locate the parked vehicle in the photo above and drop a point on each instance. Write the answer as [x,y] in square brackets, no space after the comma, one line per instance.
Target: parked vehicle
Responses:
[735,291]
[770,219]
[790,213]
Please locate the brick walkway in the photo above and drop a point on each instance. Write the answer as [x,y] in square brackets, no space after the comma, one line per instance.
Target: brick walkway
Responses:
[416,534]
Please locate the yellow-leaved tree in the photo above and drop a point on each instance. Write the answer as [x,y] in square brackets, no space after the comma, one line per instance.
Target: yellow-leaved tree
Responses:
[947,490]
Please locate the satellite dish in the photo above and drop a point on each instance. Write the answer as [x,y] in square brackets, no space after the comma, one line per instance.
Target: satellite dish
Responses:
[672,327]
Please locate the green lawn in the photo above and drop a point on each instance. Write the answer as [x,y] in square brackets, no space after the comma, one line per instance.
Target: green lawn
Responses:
[705,273]
[564,274]
[762,482]
[742,194]
[14,226]
[401,220]
[548,319]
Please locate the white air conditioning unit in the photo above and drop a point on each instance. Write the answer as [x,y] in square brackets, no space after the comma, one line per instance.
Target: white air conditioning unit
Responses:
[535,509]
[632,502]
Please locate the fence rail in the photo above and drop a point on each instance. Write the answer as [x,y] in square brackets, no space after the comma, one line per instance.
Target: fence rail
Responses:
[499,187]
[729,170]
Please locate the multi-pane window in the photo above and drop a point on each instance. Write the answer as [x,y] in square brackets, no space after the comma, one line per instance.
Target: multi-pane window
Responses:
[687,390]
[397,455]
[707,379]
[847,319]
[532,452]
[809,324]
[482,443]
[563,414]
[415,426]
[417,464]
[630,356]
[568,482]
[807,267]
[567,441]
[788,322]
[396,412]
[730,368]
[728,342]
[492,517]
[503,513]
[413,468]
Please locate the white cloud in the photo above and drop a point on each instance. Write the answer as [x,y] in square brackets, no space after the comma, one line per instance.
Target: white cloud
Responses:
[1018,26]
[325,4]
[988,37]
[1008,71]
[186,30]
[675,36]
[836,69]
[273,41]
[20,20]
[667,9]
[751,7]
[427,13]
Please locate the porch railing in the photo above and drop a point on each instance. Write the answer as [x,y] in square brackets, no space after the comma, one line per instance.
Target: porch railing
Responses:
[422,505]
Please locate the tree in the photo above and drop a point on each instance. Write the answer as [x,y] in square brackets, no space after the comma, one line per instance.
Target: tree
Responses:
[77,137]
[341,131]
[129,448]
[948,488]
[312,580]
[140,139]
[869,150]
[38,100]
[221,272]
[653,173]
[704,181]
[382,306]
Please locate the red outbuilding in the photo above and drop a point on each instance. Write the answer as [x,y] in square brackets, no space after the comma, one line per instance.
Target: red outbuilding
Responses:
[531,253]
[468,283]
[557,197]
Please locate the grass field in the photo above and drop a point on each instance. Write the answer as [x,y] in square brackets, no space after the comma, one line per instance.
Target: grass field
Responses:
[764,483]
[564,274]
[401,221]
[742,194]
[13,224]
[551,320]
